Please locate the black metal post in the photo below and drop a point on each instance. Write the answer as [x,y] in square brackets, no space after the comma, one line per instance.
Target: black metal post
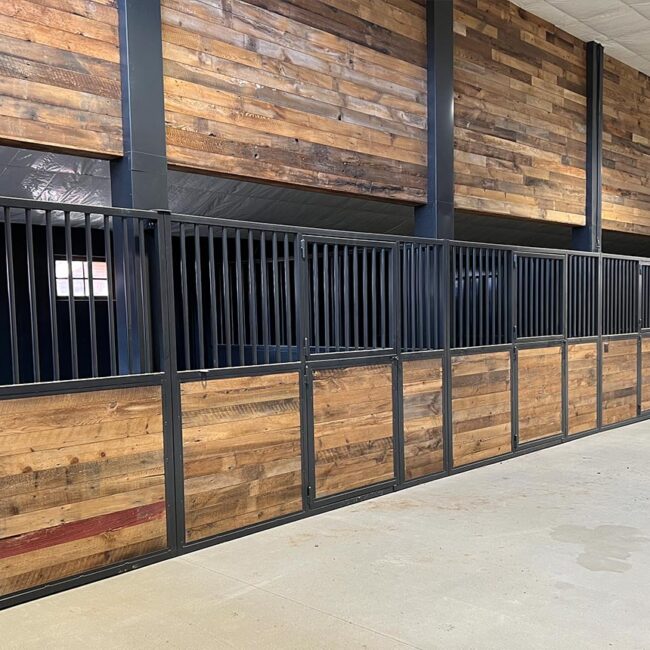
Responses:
[589,236]
[436,217]
[139,178]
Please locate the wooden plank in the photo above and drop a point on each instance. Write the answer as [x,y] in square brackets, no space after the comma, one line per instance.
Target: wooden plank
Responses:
[60,76]
[241,451]
[520,88]
[582,368]
[540,393]
[645,374]
[308,93]
[619,397]
[349,453]
[626,148]
[81,483]
[484,430]
[423,417]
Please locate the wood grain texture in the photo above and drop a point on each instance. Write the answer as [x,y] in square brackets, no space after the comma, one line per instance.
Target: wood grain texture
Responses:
[520,102]
[353,427]
[481,406]
[540,392]
[81,483]
[619,401]
[241,452]
[423,436]
[60,75]
[645,374]
[626,148]
[324,94]
[582,369]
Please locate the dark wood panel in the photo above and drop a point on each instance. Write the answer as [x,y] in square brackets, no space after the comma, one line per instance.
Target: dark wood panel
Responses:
[645,374]
[241,452]
[520,88]
[619,401]
[540,392]
[423,436]
[626,148]
[353,427]
[481,406]
[81,483]
[582,367]
[60,75]
[300,92]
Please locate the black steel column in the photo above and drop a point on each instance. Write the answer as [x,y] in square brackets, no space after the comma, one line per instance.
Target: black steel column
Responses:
[139,178]
[589,236]
[436,217]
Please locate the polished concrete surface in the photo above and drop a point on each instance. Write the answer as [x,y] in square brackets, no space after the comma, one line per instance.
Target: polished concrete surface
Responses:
[550,550]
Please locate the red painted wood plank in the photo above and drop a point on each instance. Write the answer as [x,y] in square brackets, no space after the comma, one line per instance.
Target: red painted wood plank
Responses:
[80,529]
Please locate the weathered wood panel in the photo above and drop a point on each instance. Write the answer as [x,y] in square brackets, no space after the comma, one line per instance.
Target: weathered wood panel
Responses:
[645,374]
[60,75]
[619,401]
[353,427]
[241,452]
[481,406]
[520,88]
[539,385]
[423,406]
[81,483]
[626,148]
[582,368]
[318,93]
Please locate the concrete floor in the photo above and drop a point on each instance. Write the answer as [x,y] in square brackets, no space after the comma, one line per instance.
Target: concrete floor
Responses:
[550,550]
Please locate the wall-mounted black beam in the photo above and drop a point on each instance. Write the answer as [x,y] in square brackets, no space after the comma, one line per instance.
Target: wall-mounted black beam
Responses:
[436,217]
[589,236]
[139,178]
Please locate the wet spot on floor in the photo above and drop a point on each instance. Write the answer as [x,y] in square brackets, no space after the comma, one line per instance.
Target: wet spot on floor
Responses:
[603,548]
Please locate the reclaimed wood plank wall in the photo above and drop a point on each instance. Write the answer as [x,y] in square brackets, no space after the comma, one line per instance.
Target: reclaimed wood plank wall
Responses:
[481,406]
[626,149]
[520,114]
[423,435]
[645,374]
[241,452]
[81,483]
[60,75]
[540,393]
[325,94]
[619,400]
[353,427]
[582,369]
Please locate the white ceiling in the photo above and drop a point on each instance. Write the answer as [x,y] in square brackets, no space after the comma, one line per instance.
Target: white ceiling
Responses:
[622,26]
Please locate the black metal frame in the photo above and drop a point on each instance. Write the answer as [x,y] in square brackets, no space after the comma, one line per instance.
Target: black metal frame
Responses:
[159,254]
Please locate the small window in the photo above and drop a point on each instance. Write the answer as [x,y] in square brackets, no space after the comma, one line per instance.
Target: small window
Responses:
[81,279]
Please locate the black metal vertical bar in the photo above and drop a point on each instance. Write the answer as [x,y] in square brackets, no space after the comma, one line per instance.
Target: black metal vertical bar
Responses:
[51,275]
[287,295]
[346,297]
[326,297]
[436,217]
[198,292]
[355,295]
[364,293]
[266,311]
[227,304]
[427,291]
[276,297]
[91,296]
[384,320]
[11,295]
[588,237]
[214,304]
[239,289]
[184,299]
[373,295]
[108,254]
[467,304]
[252,295]
[336,293]
[455,298]
[33,301]
[315,342]
[72,316]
